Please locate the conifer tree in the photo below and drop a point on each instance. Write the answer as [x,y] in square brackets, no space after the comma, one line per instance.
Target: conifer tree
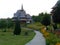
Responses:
[17,29]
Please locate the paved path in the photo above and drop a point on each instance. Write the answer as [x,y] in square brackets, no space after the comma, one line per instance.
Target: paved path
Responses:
[37,40]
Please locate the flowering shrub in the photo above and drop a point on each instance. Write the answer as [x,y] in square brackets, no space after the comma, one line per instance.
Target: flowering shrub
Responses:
[57,43]
[45,33]
[43,30]
[50,37]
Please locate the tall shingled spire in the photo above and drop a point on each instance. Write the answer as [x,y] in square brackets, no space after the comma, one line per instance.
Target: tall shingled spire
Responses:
[22,7]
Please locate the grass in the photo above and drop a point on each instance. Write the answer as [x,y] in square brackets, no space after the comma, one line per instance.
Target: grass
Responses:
[7,38]
[36,26]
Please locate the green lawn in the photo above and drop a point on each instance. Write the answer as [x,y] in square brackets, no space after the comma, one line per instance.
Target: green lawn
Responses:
[36,26]
[7,38]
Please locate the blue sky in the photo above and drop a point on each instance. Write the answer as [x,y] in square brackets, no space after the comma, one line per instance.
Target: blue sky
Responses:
[32,7]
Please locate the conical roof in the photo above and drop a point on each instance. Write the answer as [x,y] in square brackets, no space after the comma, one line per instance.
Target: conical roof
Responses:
[22,7]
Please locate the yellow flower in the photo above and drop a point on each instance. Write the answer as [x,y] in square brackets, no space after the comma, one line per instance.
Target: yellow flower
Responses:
[43,31]
[57,43]
[46,34]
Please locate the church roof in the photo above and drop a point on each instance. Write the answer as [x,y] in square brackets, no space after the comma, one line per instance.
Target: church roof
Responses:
[22,7]
[58,3]
[21,15]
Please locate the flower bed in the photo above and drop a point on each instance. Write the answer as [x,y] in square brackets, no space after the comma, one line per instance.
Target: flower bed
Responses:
[51,39]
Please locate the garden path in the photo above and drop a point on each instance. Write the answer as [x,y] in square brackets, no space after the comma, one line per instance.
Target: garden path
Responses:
[37,40]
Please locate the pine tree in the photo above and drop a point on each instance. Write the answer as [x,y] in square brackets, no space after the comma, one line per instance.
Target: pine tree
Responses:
[17,29]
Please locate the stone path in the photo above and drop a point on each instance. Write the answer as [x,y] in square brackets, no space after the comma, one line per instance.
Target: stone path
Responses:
[37,40]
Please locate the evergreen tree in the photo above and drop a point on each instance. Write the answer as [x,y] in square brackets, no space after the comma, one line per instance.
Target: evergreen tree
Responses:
[17,30]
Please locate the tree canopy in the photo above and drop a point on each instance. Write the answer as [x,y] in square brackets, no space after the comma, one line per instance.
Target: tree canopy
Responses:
[46,20]
[43,18]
